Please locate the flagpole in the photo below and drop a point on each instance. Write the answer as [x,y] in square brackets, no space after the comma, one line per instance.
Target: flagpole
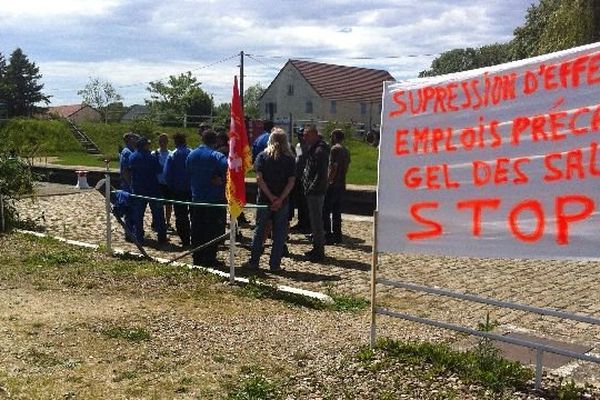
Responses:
[232,230]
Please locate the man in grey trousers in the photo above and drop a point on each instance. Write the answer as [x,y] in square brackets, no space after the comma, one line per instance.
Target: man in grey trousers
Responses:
[314,183]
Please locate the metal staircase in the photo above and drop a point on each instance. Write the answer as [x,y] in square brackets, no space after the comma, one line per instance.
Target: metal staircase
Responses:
[88,145]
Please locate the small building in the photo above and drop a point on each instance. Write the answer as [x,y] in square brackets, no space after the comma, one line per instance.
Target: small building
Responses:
[135,111]
[77,113]
[312,91]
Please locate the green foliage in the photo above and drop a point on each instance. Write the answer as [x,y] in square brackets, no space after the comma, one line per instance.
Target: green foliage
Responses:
[99,94]
[348,303]
[222,115]
[55,257]
[253,385]
[180,95]
[251,97]
[15,180]
[20,85]
[457,60]
[494,373]
[569,391]
[130,334]
[32,138]
[551,25]
[554,25]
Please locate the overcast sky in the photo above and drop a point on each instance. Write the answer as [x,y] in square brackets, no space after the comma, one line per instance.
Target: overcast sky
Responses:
[130,43]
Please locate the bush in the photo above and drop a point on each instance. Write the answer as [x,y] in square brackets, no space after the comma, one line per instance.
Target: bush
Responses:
[15,180]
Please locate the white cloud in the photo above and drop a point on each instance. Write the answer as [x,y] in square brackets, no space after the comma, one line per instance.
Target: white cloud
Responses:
[54,8]
[129,42]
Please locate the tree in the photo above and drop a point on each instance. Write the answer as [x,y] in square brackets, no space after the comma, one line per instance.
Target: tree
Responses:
[179,96]
[3,88]
[552,25]
[222,115]
[555,25]
[99,95]
[457,60]
[251,97]
[21,83]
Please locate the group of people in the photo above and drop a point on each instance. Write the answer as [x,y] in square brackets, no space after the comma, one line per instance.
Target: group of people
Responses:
[311,179]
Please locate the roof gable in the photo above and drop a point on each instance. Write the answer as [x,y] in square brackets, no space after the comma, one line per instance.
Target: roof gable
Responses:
[66,111]
[339,82]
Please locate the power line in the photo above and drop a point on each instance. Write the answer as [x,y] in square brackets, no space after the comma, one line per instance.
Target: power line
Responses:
[161,79]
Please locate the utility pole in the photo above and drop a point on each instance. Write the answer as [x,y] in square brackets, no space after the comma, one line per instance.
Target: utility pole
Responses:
[242,79]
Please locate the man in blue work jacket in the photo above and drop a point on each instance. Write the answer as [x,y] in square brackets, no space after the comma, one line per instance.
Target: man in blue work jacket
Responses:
[260,143]
[130,139]
[178,182]
[143,168]
[207,168]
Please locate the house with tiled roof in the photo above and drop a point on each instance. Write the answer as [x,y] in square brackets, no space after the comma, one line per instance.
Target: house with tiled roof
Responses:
[324,92]
[75,112]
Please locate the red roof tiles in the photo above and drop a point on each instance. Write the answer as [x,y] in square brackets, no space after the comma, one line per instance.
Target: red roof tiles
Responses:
[65,111]
[339,82]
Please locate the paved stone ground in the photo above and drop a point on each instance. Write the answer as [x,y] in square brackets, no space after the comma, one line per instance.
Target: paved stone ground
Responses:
[570,285]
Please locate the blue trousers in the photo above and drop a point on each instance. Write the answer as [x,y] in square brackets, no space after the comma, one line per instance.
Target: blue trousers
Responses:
[280,221]
[138,209]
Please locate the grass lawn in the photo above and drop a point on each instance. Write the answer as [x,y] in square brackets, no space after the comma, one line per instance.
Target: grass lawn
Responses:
[82,158]
[53,139]
[363,169]
[79,324]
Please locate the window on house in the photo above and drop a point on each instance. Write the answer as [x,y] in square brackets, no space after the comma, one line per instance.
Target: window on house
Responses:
[309,107]
[271,110]
[290,90]
[363,108]
[333,106]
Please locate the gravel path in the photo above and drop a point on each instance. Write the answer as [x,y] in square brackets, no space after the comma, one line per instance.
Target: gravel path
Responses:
[570,285]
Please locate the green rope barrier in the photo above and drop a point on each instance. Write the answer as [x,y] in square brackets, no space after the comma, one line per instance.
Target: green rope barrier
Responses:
[191,203]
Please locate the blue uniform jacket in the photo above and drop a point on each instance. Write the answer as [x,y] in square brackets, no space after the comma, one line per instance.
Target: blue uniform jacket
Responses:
[144,167]
[176,174]
[124,165]
[260,143]
[204,165]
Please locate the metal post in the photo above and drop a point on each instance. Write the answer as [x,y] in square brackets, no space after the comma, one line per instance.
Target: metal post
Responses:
[232,227]
[374,260]
[185,120]
[538,368]
[242,80]
[108,213]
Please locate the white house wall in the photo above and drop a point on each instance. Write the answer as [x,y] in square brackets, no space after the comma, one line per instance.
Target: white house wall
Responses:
[303,92]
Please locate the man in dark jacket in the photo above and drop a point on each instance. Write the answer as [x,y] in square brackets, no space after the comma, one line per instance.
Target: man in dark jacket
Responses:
[144,167]
[178,182]
[314,183]
[207,170]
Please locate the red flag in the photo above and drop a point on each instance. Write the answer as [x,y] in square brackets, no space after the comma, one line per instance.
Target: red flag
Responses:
[239,160]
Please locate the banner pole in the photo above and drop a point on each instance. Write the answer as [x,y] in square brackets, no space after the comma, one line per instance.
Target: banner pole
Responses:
[374,260]
[108,212]
[232,227]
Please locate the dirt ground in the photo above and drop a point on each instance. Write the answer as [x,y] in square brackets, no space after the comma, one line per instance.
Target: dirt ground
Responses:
[569,285]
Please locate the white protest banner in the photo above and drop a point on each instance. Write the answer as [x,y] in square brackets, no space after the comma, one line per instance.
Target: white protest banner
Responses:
[496,162]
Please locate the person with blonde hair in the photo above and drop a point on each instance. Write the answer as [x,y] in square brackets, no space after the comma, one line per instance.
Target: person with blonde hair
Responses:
[275,176]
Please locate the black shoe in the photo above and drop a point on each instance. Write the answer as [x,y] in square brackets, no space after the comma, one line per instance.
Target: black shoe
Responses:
[286,251]
[314,256]
[250,266]
[276,270]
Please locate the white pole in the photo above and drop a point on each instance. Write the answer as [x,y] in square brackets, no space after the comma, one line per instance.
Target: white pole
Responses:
[232,227]
[374,261]
[108,212]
